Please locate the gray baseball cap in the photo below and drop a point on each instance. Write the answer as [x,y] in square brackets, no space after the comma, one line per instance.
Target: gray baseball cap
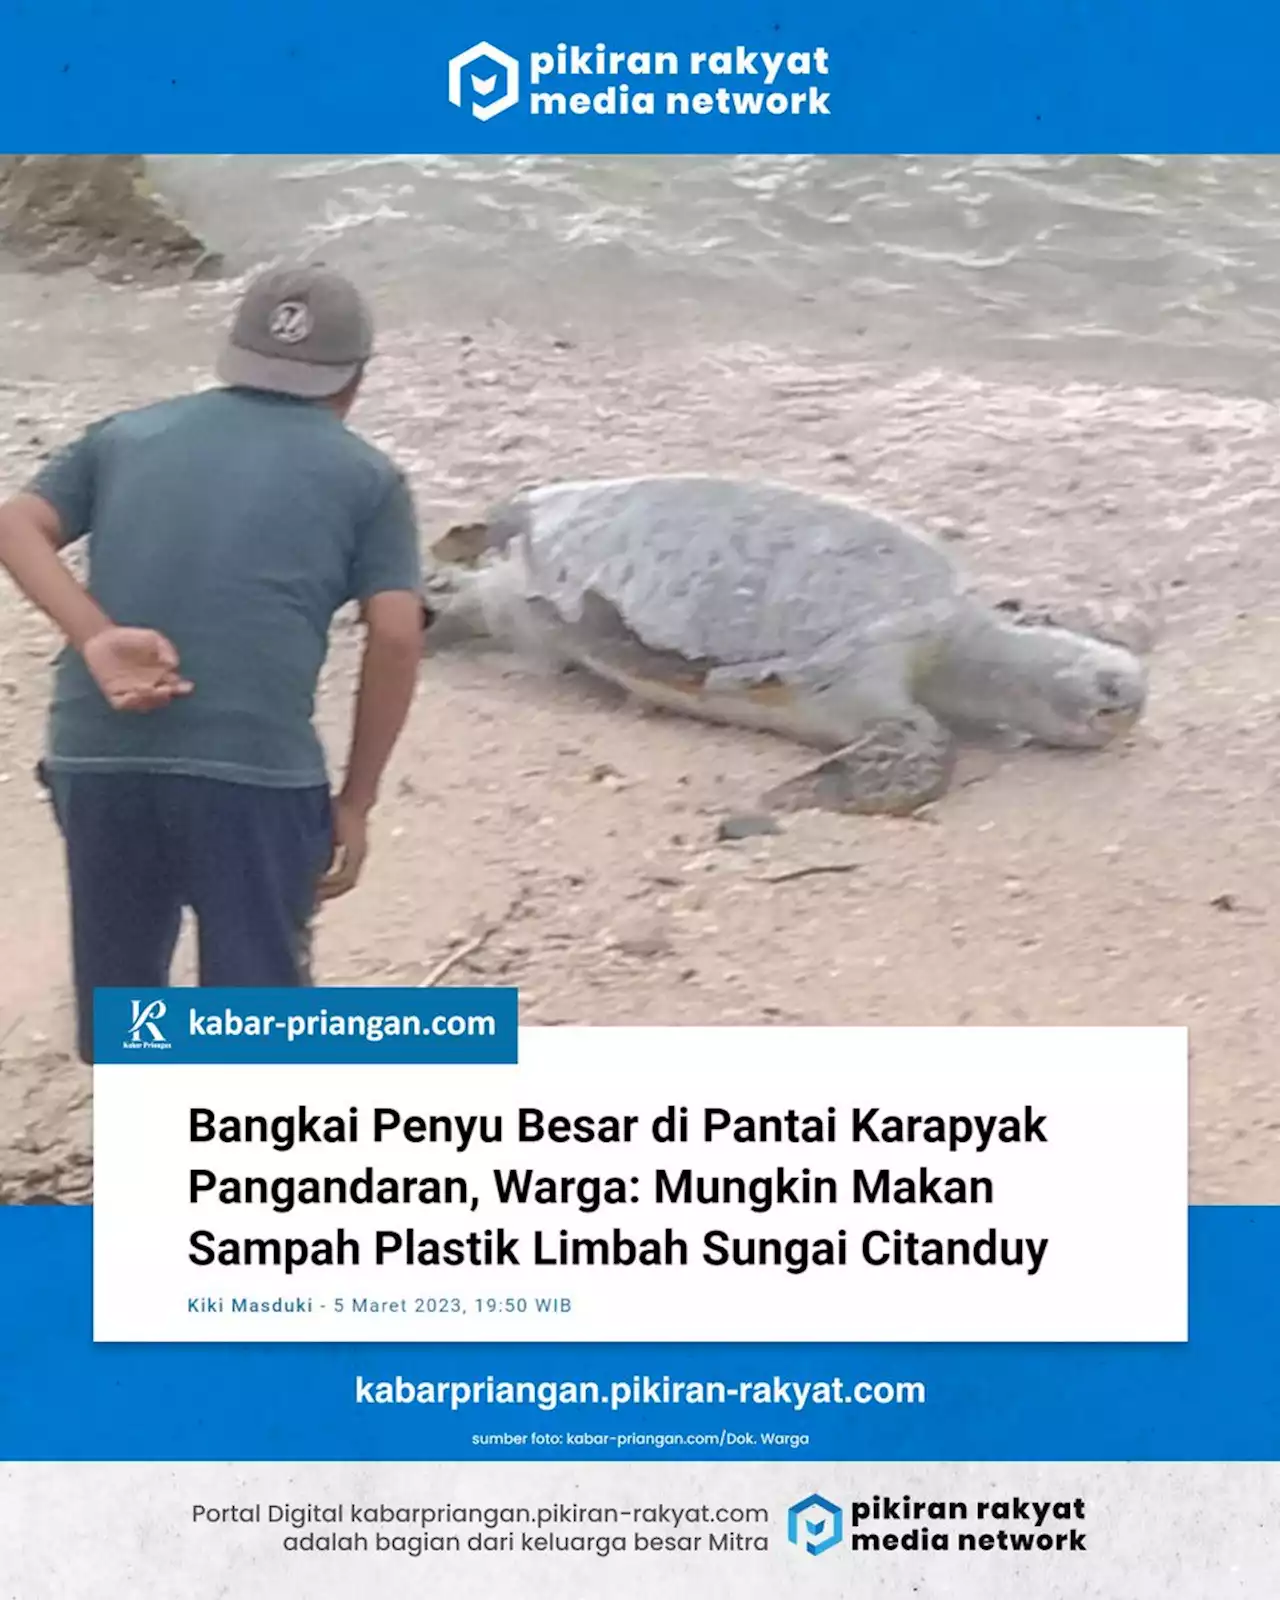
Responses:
[301,331]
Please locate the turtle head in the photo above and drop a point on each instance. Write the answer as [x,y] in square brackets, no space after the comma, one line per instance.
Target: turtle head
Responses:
[1079,692]
[1048,683]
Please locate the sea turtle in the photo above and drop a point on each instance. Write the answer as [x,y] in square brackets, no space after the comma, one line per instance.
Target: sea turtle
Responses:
[759,605]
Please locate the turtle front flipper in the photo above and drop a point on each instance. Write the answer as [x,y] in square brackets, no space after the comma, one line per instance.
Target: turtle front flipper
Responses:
[892,768]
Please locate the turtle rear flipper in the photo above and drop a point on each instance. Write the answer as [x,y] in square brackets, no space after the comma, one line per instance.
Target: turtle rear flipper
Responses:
[488,607]
[454,610]
[462,546]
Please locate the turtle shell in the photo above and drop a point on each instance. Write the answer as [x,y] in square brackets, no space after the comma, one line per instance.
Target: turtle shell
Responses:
[724,571]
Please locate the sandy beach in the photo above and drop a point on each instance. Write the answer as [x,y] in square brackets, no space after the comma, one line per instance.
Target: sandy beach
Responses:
[569,843]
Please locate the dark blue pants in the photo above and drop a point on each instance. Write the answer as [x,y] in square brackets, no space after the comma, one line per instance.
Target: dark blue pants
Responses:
[141,847]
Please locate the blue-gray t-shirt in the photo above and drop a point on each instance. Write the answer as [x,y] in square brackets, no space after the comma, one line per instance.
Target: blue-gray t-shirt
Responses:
[237,524]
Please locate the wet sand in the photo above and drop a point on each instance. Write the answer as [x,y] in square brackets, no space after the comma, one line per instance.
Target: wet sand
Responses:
[575,838]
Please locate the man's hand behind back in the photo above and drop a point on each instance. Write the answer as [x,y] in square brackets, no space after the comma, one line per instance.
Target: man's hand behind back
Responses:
[136,668]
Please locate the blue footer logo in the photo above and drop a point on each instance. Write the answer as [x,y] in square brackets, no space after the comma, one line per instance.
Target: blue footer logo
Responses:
[815,1524]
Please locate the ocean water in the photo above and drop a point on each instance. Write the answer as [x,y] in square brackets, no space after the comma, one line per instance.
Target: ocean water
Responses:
[1136,269]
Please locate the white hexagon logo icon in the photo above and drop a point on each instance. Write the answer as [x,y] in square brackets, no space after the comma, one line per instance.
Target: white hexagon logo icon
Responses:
[479,88]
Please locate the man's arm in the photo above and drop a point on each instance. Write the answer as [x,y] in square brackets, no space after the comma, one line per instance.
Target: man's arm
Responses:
[30,538]
[387,581]
[136,668]
[388,678]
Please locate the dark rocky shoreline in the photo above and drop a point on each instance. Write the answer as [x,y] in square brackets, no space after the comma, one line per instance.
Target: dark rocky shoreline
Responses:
[95,211]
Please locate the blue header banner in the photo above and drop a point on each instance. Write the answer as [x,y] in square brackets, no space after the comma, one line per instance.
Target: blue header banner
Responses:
[63,1398]
[569,77]
[305,1027]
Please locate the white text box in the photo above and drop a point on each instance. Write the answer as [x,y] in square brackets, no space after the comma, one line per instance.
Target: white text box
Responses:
[1040,1194]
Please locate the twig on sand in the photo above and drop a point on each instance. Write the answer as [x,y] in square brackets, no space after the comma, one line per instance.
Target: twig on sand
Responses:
[811,872]
[474,945]
[462,953]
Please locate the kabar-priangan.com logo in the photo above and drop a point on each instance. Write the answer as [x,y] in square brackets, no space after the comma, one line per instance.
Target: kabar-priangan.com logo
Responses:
[579,80]
[143,1031]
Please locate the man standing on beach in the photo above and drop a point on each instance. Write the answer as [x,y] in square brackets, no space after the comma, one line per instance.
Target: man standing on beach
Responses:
[224,530]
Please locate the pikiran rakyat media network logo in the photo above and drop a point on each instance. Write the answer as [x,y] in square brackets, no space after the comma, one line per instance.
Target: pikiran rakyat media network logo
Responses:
[592,80]
[489,91]
[815,1524]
